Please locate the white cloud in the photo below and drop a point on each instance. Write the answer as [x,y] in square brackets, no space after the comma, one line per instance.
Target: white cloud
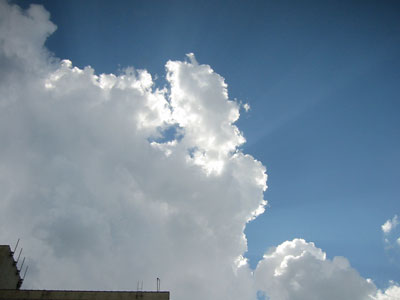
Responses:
[391,293]
[99,204]
[92,198]
[246,106]
[299,270]
[391,243]
[390,224]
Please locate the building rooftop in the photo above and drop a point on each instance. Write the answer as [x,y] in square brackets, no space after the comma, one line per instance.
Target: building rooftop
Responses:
[11,281]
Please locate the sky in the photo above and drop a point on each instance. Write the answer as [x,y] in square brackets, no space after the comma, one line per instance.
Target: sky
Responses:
[138,139]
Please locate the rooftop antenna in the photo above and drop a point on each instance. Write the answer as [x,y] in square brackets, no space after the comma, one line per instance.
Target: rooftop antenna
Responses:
[139,293]
[158,284]
[26,270]
[20,268]
[19,255]
[21,280]
[12,253]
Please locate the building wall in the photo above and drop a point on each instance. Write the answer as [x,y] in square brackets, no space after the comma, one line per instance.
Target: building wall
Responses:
[9,275]
[81,295]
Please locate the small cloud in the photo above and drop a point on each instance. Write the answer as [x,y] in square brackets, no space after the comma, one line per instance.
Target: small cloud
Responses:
[192,59]
[246,107]
[390,225]
[391,239]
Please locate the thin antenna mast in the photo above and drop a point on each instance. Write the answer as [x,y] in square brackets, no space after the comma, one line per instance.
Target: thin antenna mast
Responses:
[15,247]
[19,255]
[26,270]
[20,268]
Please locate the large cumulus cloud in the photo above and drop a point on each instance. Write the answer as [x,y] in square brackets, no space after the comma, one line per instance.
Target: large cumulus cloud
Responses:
[92,193]
[102,198]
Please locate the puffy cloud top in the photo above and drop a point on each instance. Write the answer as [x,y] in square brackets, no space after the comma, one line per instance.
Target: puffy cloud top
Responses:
[299,270]
[97,197]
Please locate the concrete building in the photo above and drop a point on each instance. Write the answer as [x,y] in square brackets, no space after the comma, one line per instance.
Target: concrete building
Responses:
[9,274]
[11,281]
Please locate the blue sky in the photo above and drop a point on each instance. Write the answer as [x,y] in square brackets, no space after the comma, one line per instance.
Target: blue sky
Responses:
[322,80]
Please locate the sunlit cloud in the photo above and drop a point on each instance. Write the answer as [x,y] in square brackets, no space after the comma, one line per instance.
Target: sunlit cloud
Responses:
[101,190]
